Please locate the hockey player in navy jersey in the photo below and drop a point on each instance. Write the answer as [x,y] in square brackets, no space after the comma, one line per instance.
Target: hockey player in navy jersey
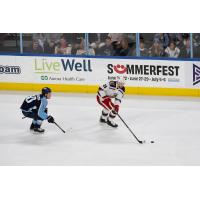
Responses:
[35,107]
[109,97]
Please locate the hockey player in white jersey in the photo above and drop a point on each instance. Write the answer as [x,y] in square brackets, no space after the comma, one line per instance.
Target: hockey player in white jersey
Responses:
[110,97]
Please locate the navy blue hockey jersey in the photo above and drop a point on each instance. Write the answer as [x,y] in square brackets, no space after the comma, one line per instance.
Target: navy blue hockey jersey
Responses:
[36,102]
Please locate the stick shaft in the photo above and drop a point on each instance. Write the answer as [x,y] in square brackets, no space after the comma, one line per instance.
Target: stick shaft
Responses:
[59,127]
[129,128]
[124,124]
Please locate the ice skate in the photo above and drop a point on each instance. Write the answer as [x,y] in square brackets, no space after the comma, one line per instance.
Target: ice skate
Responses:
[112,124]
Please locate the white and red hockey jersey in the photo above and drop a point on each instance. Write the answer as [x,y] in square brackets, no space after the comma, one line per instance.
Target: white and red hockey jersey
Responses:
[112,90]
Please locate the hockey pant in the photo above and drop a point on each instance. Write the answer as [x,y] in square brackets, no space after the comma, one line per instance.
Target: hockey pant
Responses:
[37,121]
[108,108]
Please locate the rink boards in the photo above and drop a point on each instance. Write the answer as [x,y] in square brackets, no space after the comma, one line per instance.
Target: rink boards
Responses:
[84,74]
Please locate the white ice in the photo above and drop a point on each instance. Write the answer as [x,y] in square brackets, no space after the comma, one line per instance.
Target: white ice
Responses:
[172,122]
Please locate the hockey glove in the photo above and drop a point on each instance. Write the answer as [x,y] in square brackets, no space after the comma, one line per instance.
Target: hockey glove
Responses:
[50,119]
[116,109]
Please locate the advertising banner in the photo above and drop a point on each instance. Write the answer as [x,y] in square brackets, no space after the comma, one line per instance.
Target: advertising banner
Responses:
[95,71]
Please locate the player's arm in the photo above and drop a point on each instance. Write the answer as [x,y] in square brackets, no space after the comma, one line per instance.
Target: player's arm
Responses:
[41,111]
[102,90]
[118,98]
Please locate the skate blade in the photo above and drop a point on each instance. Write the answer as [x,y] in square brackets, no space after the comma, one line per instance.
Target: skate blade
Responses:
[37,133]
[112,126]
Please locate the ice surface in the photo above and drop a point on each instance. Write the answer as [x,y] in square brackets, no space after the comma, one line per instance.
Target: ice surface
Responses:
[173,123]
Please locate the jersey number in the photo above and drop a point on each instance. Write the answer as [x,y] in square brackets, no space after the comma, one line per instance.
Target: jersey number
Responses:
[105,86]
[30,99]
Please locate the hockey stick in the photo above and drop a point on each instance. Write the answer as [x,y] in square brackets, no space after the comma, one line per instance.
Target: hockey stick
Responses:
[54,123]
[140,141]
[59,127]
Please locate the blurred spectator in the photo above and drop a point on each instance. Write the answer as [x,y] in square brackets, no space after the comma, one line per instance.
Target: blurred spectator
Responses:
[52,39]
[96,41]
[185,50]
[116,48]
[36,48]
[115,41]
[91,49]
[62,47]
[131,37]
[115,37]
[106,49]
[172,51]
[162,38]
[49,47]
[196,45]
[97,37]
[196,52]
[131,43]
[40,37]
[196,39]
[156,50]
[2,38]
[73,38]
[185,37]
[124,51]
[80,47]
[177,38]
[143,50]
[9,42]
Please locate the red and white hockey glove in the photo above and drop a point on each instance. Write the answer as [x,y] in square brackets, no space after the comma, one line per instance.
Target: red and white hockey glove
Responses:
[116,109]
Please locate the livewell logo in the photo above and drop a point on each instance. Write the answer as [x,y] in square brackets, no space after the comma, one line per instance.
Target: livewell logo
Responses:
[48,66]
[196,74]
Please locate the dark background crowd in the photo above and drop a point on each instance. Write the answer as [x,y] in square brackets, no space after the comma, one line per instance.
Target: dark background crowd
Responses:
[172,45]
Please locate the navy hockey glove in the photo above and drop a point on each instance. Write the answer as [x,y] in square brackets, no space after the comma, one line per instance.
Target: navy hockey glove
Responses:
[50,119]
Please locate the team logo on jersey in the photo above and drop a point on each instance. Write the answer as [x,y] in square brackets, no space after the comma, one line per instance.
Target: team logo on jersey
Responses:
[10,69]
[196,74]
[120,69]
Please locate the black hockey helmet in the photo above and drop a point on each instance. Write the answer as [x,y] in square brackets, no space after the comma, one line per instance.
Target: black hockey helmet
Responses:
[46,90]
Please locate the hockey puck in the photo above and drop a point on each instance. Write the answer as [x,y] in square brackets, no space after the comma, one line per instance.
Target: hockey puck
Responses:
[152,141]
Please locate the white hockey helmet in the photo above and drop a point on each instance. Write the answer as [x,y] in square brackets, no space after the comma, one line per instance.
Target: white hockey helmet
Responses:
[121,81]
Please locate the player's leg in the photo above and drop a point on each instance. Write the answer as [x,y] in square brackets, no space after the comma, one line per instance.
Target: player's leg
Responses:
[108,111]
[37,126]
[104,116]
[105,103]
[32,116]
[36,123]
[111,118]
[33,125]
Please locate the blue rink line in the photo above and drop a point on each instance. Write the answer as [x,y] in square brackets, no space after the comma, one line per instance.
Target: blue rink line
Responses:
[101,57]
